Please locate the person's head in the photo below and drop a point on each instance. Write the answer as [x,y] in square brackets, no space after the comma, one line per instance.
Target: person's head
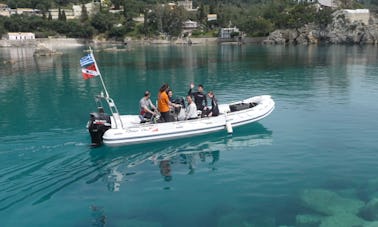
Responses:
[147,94]
[200,88]
[164,87]
[165,170]
[189,99]
[170,93]
[210,94]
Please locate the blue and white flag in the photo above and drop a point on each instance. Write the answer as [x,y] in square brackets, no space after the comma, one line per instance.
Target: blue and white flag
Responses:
[86,60]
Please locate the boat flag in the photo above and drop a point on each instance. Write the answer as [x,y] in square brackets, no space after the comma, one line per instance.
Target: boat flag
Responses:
[89,71]
[86,60]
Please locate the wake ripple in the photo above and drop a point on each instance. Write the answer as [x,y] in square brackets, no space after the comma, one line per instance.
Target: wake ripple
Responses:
[33,173]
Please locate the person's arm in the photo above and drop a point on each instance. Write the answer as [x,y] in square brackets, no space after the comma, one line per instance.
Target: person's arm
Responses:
[173,104]
[190,90]
[152,105]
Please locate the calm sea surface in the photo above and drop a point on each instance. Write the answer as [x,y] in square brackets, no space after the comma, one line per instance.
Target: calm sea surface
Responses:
[323,135]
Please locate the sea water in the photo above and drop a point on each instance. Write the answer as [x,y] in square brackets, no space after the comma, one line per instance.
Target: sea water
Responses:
[313,161]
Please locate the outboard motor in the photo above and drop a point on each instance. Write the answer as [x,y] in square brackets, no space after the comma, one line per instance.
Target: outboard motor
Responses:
[97,125]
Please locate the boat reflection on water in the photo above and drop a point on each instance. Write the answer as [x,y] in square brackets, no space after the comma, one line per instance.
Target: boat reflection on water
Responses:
[118,165]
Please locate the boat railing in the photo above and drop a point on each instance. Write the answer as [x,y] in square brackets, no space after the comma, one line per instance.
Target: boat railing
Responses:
[113,109]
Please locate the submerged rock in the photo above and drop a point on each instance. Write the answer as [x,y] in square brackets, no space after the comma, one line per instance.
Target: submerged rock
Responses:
[370,211]
[329,203]
[233,219]
[308,220]
[43,50]
[342,219]
[371,224]
[138,223]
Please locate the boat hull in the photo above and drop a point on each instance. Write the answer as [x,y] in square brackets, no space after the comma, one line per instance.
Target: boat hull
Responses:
[129,130]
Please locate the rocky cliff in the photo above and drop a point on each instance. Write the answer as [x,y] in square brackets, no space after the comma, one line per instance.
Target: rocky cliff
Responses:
[341,31]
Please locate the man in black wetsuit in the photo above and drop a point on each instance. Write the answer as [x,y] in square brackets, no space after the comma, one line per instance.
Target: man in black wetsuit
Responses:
[199,97]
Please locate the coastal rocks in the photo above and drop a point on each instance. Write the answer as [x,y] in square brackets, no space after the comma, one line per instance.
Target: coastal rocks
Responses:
[308,220]
[370,211]
[329,203]
[340,31]
[43,50]
[138,223]
[342,219]
[330,209]
[240,220]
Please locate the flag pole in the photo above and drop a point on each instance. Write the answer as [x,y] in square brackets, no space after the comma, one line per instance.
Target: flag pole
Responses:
[99,73]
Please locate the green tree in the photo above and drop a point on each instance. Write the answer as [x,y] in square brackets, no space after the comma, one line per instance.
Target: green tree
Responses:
[59,14]
[323,17]
[172,20]
[117,32]
[102,21]
[130,9]
[117,4]
[300,15]
[63,18]
[150,26]
[202,13]
[84,13]
[257,26]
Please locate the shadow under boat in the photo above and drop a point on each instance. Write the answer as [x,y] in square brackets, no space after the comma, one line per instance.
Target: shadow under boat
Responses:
[116,164]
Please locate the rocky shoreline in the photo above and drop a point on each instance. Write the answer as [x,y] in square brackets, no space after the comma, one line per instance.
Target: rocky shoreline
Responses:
[340,31]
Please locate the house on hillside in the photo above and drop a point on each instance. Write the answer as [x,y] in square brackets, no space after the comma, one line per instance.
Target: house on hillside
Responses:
[328,3]
[189,25]
[362,15]
[4,10]
[92,8]
[228,33]
[187,4]
[75,13]
[20,36]
[68,12]
[211,17]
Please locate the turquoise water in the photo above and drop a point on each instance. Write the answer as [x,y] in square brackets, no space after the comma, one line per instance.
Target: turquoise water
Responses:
[322,135]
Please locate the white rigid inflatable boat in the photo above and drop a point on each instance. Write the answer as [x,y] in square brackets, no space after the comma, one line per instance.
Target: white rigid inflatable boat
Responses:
[116,130]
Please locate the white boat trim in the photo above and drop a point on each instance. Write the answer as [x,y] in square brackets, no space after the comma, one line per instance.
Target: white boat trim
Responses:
[134,132]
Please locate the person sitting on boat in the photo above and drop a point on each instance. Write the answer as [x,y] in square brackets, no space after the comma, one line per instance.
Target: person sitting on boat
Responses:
[164,104]
[170,95]
[199,97]
[191,109]
[177,100]
[214,111]
[147,109]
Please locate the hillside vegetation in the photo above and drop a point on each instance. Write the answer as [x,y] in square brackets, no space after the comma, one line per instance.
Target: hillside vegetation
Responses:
[254,17]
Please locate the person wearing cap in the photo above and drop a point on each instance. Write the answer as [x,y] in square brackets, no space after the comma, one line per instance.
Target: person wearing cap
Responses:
[147,109]
[199,97]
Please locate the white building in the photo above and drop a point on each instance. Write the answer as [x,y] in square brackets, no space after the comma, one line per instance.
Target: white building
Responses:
[187,4]
[362,15]
[211,17]
[225,33]
[92,8]
[189,24]
[75,13]
[328,3]
[20,36]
